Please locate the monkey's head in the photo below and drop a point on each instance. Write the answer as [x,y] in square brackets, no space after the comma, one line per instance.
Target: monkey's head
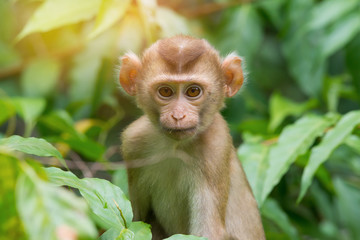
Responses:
[180,83]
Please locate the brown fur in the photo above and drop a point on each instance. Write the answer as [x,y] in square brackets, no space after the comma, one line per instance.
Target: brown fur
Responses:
[184,176]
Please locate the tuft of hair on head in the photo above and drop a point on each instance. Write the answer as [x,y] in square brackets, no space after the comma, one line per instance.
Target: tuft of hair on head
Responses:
[179,51]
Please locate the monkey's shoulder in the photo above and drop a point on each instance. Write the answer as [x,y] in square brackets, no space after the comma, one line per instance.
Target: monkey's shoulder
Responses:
[140,129]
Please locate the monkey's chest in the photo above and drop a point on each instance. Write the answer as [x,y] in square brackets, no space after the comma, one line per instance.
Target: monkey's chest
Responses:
[170,184]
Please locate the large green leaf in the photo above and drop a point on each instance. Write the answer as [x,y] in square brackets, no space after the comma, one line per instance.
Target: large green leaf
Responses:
[348,206]
[241,30]
[184,237]
[40,77]
[281,107]
[35,146]
[327,12]
[293,141]
[56,13]
[101,195]
[48,212]
[321,153]
[340,33]
[109,13]
[271,210]
[253,156]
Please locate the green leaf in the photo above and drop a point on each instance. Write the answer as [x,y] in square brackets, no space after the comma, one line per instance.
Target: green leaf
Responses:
[271,210]
[241,30]
[35,146]
[331,92]
[281,107]
[321,152]
[56,13]
[40,77]
[253,157]
[141,230]
[47,212]
[353,141]
[100,195]
[184,237]
[126,234]
[7,110]
[348,206]
[327,12]
[294,140]
[120,179]
[60,121]
[29,108]
[341,33]
[109,13]
[85,146]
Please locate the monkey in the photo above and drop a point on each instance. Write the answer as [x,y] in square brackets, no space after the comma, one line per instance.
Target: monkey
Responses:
[183,172]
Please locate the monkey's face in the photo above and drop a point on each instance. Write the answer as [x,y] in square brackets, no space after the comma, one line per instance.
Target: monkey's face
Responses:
[178,106]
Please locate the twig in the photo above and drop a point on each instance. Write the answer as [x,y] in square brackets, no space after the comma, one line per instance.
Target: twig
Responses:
[81,164]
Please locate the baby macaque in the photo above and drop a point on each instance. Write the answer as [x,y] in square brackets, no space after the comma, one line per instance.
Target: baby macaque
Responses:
[184,175]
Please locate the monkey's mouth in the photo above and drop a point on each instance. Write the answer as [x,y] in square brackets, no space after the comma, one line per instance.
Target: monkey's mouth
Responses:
[179,130]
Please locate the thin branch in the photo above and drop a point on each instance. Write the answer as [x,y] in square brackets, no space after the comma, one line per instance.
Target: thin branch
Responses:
[81,164]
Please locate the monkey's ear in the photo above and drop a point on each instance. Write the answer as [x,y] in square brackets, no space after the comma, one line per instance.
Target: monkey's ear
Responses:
[234,76]
[129,72]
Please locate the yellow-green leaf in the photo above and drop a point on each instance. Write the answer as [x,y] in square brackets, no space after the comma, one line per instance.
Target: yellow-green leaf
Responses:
[110,12]
[56,13]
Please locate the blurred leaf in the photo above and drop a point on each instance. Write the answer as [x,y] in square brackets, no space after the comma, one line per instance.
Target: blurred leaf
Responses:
[40,77]
[273,10]
[109,13]
[8,56]
[10,224]
[352,60]
[170,22]
[131,33]
[353,141]
[281,107]
[341,33]
[35,146]
[332,92]
[120,179]
[241,30]
[327,12]
[184,237]
[47,212]
[100,195]
[271,210]
[56,13]
[294,140]
[253,157]
[85,146]
[29,108]
[332,139]
[348,206]
[7,110]
[60,121]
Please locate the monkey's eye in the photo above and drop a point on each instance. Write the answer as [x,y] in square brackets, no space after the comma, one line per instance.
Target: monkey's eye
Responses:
[193,91]
[165,92]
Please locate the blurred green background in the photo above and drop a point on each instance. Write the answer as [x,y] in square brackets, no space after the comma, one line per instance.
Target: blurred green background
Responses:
[296,123]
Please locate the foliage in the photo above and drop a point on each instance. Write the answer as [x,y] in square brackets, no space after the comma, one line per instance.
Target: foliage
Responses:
[297,118]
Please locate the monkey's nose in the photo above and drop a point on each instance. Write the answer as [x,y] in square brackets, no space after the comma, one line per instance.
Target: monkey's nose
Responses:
[178,117]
